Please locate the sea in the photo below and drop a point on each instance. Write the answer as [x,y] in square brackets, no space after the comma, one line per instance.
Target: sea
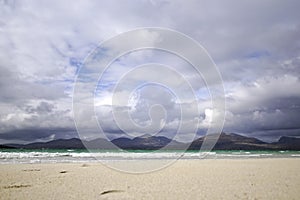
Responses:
[8,156]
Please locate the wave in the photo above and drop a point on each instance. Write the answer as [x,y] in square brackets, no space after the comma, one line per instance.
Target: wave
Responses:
[73,156]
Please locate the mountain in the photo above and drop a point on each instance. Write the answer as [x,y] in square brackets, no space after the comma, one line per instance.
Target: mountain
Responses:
[147,142]
[98,144]
[73,143]
[226,141]
[233,141]
[6,147]
[288,143]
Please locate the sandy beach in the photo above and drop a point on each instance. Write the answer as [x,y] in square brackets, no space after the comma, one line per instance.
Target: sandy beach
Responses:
[186,179]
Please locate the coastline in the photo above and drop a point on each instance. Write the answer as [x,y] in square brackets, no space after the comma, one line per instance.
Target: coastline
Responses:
[265,178]
[31,156]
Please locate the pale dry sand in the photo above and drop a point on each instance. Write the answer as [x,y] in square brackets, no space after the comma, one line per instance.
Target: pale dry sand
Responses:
[186,179]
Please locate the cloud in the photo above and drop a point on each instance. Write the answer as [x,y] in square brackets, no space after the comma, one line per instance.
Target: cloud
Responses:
[29,135]
[255,45]
[264,93]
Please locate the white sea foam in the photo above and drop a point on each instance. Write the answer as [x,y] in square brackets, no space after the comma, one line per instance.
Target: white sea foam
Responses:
[73,156]
[295,155]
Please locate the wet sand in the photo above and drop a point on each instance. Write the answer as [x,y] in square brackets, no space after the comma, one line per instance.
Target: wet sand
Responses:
[186,179]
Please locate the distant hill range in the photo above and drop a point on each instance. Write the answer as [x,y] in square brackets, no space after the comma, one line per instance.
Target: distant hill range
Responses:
[225,142]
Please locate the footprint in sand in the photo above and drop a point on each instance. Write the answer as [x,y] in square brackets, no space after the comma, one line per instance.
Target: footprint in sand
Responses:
[31,170]
[16,186]
[111,191]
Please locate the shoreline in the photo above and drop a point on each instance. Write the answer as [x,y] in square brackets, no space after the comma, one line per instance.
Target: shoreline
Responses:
[265,178]
[13,157]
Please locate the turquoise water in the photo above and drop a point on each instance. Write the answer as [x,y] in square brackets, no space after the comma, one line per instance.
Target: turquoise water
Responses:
[80,155]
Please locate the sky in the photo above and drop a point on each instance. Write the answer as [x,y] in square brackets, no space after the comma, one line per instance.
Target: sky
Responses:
[44,45]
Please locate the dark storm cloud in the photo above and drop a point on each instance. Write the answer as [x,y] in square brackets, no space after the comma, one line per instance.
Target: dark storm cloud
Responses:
[28,135]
